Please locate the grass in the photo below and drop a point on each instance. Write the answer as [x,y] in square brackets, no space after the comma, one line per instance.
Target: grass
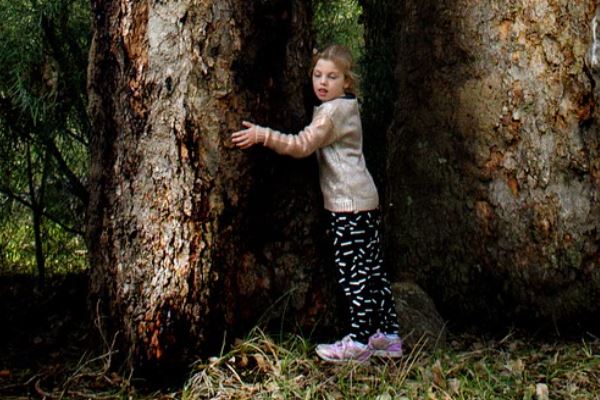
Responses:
[48,353]
[469,368]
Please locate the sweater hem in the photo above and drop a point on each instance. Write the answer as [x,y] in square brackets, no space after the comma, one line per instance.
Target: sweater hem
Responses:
[351,205]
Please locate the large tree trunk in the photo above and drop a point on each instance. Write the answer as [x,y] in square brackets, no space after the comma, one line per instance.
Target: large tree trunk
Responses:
[379,88]
[189,237]
[493,170]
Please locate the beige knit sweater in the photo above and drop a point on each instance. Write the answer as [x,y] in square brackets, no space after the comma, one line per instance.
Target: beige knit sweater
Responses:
[335,134]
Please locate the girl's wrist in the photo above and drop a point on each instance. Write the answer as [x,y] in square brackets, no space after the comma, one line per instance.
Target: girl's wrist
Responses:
[259,135]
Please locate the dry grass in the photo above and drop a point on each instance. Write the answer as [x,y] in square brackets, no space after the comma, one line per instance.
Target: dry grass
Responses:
[261,369]
[514,367]
[471,368]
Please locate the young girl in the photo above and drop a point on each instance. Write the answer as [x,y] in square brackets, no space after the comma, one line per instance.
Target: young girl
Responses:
[352,202]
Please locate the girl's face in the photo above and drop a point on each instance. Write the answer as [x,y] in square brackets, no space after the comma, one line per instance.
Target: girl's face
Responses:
[328,81]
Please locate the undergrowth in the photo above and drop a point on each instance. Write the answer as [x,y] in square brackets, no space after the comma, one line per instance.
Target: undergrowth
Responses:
[469,368]
[50,355]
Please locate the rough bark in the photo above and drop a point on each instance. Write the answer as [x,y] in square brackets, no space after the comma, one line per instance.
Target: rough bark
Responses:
[493,169]
[379,87]
[190,239]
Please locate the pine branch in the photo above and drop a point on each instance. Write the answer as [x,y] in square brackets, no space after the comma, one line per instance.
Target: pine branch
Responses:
[10,113]
[75,186]
[24,202]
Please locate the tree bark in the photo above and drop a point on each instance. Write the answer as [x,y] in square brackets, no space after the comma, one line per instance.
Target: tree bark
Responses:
[36,196]
[190,239]
[493,171]
[379,87]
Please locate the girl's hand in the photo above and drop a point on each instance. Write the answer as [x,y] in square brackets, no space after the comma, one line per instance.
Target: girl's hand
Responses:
[246,138]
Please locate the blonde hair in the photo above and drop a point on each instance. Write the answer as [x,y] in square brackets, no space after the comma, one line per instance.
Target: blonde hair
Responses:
[342,58]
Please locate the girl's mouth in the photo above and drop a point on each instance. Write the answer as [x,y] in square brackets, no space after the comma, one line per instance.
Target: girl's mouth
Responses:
[322,92]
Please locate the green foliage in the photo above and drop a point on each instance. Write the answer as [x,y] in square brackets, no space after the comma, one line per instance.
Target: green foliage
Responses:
[43,130]
[43,57]
[339,21]
[65,252]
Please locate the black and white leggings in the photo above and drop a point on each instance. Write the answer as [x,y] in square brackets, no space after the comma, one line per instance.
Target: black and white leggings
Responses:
[359,263]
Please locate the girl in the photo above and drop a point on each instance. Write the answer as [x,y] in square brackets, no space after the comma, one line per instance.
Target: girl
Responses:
[352,202]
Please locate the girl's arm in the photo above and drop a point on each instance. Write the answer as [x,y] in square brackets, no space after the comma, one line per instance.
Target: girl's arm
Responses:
[316,135]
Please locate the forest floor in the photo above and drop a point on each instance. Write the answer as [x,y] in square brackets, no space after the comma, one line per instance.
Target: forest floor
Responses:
[50,349]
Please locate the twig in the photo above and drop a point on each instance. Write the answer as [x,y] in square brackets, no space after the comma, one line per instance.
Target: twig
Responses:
[235,374]
[80,372]
[11,386]
[412,358]
[41,392]
[91,395]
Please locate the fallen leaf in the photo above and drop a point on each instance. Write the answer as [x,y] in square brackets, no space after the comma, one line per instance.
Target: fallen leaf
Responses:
[431,394]
[242,361]
[438,374]
[454,385]
[541,391]
[516,366]
[261,363]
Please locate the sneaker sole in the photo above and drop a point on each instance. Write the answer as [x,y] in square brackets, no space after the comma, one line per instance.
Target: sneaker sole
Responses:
[348,361]
[344,360]
[387,354]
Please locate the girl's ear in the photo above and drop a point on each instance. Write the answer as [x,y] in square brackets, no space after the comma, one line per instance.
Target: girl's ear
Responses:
[346,82]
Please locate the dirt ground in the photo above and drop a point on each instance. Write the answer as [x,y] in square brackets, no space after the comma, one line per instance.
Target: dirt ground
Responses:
[49,346]
[43,332]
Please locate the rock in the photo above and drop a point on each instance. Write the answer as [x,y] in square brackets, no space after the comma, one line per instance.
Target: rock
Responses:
[418,317]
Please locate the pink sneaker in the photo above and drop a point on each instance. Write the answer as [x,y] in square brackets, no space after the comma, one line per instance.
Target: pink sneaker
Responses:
[344,350]
[385,345]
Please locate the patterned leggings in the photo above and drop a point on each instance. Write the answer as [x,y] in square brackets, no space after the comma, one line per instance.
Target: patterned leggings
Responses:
[358,258]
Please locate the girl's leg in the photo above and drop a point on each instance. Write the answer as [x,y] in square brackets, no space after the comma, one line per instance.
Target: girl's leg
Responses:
[348,232]
[384,316]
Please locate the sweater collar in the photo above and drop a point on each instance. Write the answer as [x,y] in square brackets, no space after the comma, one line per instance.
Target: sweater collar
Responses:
[346,96]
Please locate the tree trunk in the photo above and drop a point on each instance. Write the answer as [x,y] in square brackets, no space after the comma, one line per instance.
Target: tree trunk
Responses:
[36,196]
[493,164]
[191,239]
[378,83]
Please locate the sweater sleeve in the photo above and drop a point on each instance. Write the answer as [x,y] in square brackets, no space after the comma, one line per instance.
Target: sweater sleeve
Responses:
[316,135]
